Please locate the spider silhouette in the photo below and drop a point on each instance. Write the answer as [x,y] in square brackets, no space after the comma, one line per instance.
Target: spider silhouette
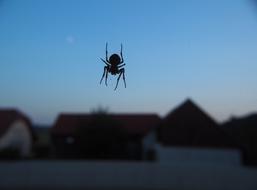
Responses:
[114,66]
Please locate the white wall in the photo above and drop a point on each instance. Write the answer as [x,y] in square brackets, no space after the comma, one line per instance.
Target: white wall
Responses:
[198,155]
[17,136]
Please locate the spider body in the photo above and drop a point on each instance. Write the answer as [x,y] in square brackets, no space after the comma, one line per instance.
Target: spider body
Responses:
[114,59]
[114,66]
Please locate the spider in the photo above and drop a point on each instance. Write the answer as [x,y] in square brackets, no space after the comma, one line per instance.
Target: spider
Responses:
[113,66]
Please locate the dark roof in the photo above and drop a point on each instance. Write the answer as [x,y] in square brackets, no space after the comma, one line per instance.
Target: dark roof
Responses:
[191,113]
[243,128]
[66,124]
[136,124]
[189,125]
[247,120]
[8,116]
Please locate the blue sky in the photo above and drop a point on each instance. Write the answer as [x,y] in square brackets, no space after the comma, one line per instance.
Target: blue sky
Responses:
[204,50]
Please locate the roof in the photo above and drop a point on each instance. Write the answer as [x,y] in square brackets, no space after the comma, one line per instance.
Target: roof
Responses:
[192,112]
[247,120]
[189,125]
[8,116]
[135,124]
[243,128]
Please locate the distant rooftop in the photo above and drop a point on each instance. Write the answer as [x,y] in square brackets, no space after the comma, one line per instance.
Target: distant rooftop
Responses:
[136,124]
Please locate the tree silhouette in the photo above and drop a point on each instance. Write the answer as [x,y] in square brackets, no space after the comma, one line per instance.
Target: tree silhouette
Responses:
[102,138]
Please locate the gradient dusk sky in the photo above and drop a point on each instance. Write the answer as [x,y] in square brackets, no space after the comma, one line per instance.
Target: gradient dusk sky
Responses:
[205,50]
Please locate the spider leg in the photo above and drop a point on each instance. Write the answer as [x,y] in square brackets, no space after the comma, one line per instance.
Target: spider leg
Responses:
[123,76]
[105,62]
[121,71]
[117,81]
[122,60]
[105,71]
[121,65]
[106,53]
[106,75]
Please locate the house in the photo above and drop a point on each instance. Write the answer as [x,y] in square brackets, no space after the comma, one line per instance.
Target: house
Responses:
[244,130]
[16,135]
[102,136]
[188,132]
[188,125]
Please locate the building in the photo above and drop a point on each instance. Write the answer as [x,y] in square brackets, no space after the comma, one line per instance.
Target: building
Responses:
[102,136]
[16,135]
[244,130]
[188,133]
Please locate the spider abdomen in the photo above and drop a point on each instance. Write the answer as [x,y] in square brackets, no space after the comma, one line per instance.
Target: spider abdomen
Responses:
[114,59]
[114,70]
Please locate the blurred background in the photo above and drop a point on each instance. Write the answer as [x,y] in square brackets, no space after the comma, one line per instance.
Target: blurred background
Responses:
[190,103]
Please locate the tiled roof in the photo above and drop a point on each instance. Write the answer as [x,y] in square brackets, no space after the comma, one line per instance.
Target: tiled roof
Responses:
[137,124]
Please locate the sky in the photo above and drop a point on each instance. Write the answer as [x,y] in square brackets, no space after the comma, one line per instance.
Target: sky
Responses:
[173,49]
